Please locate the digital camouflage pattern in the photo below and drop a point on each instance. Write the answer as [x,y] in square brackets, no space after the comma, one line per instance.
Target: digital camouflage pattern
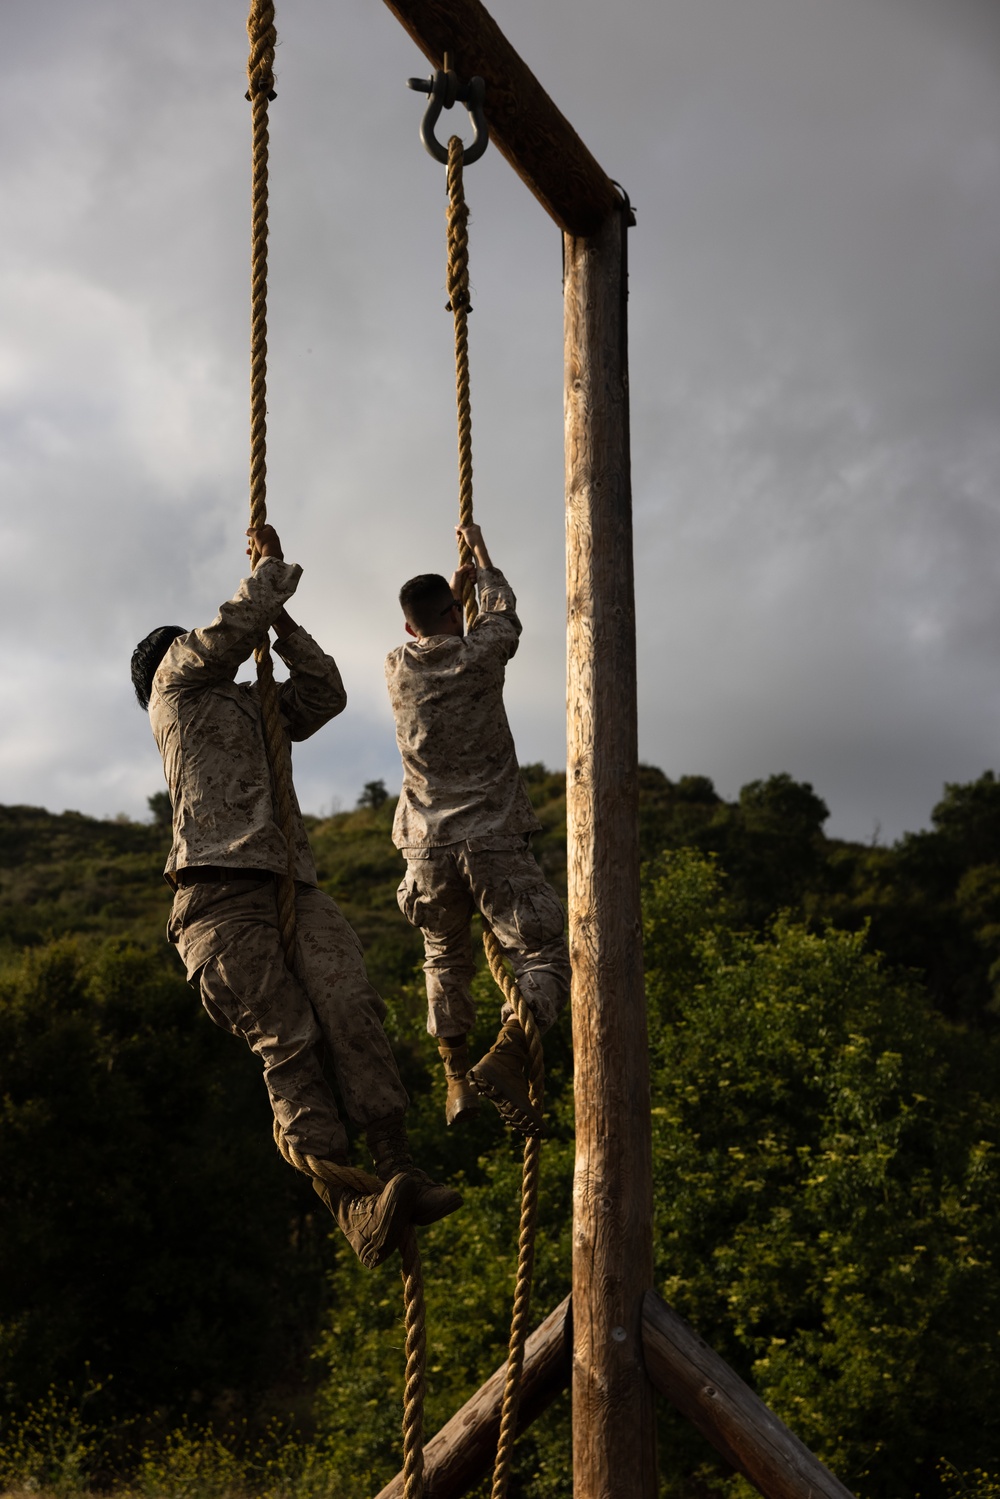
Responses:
[208,729]
[460,773]
[464,817]
[210,734]
[229,938]
[441,891]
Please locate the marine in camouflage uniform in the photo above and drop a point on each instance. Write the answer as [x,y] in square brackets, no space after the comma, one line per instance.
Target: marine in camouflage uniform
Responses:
[227,851]
[464,822]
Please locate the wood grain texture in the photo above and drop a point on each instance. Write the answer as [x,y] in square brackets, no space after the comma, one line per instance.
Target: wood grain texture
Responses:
[726,1411]
[462,1451]
[613,1435]
[537,140]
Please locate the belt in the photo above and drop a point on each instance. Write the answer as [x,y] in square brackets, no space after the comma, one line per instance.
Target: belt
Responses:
[218,874]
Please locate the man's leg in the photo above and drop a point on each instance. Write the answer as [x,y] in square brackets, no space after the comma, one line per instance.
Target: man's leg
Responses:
[230,931]
[435,897]
[229,934]
[350,1015]
[529,923]
[348,1010]
[527,920]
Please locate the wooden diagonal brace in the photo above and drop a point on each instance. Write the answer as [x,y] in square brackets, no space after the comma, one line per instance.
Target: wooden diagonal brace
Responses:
[727,1412]
[462,1452]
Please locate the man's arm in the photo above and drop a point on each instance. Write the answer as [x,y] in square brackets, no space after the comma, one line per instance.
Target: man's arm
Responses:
[314,692]
[264,542]
[498,626]
[215,653]
[472,535]
[462,575]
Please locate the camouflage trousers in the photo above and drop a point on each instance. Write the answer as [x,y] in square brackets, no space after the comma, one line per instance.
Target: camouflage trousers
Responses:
[444,887]
[229,939]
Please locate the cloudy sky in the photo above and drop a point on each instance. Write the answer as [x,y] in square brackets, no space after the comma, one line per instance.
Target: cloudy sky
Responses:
[815,281]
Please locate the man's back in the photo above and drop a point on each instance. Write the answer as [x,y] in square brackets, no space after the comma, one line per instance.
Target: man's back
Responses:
[463,824]
[209,733]
[460,773]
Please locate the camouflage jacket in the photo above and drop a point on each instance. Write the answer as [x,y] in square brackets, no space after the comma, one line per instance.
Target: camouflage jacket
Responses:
[460,775]
[209,731]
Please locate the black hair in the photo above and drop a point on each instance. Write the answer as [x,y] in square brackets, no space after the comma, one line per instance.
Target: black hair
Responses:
[146,658]
[424,600]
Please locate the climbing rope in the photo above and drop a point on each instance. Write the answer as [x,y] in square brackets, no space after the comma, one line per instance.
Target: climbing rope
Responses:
[323,1170]
[459,306]
[530,1171]
[260,75]
[416,1363]
[413,1299]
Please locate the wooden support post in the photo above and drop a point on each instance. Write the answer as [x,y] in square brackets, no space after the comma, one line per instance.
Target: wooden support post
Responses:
[736,1422]
[463,1451]
[614,1449]
[538,141]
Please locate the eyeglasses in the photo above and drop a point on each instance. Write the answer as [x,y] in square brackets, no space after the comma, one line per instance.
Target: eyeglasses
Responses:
[455,604]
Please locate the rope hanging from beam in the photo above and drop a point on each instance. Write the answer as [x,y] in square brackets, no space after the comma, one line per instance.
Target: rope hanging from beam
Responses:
[415,1381]
[460,306]
[260,74]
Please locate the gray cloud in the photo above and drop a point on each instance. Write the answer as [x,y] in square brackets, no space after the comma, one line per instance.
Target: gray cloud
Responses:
[815,376]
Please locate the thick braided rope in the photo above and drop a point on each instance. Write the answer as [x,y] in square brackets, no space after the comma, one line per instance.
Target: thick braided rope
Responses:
[415,1387]
[459,305]
[529,1211]
[260,75]
[416,1363]
[362,1182]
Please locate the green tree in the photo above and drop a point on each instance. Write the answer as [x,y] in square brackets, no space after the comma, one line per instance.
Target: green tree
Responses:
[826,1181]
[150,1235]
[827,1206]
[162,811]
[770,842]
[373,794]
[933,900]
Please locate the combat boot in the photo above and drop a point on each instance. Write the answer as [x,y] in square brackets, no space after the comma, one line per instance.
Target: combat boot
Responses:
[373,1225]
[390,1148]
[462,1099]
[502,1077]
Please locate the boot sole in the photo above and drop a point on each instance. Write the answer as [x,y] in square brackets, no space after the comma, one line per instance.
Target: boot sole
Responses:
[449,1201]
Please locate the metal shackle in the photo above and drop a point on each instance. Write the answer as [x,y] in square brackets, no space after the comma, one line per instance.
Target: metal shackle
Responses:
[445,88]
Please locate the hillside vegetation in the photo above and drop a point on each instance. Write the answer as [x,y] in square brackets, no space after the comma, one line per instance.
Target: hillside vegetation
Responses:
[177,1317]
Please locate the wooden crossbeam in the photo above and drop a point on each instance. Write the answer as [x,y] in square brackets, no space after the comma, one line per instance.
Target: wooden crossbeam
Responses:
[539,142]
[462,1452]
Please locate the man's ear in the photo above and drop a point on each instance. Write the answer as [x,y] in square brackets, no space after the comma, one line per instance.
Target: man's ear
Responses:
[410,630]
